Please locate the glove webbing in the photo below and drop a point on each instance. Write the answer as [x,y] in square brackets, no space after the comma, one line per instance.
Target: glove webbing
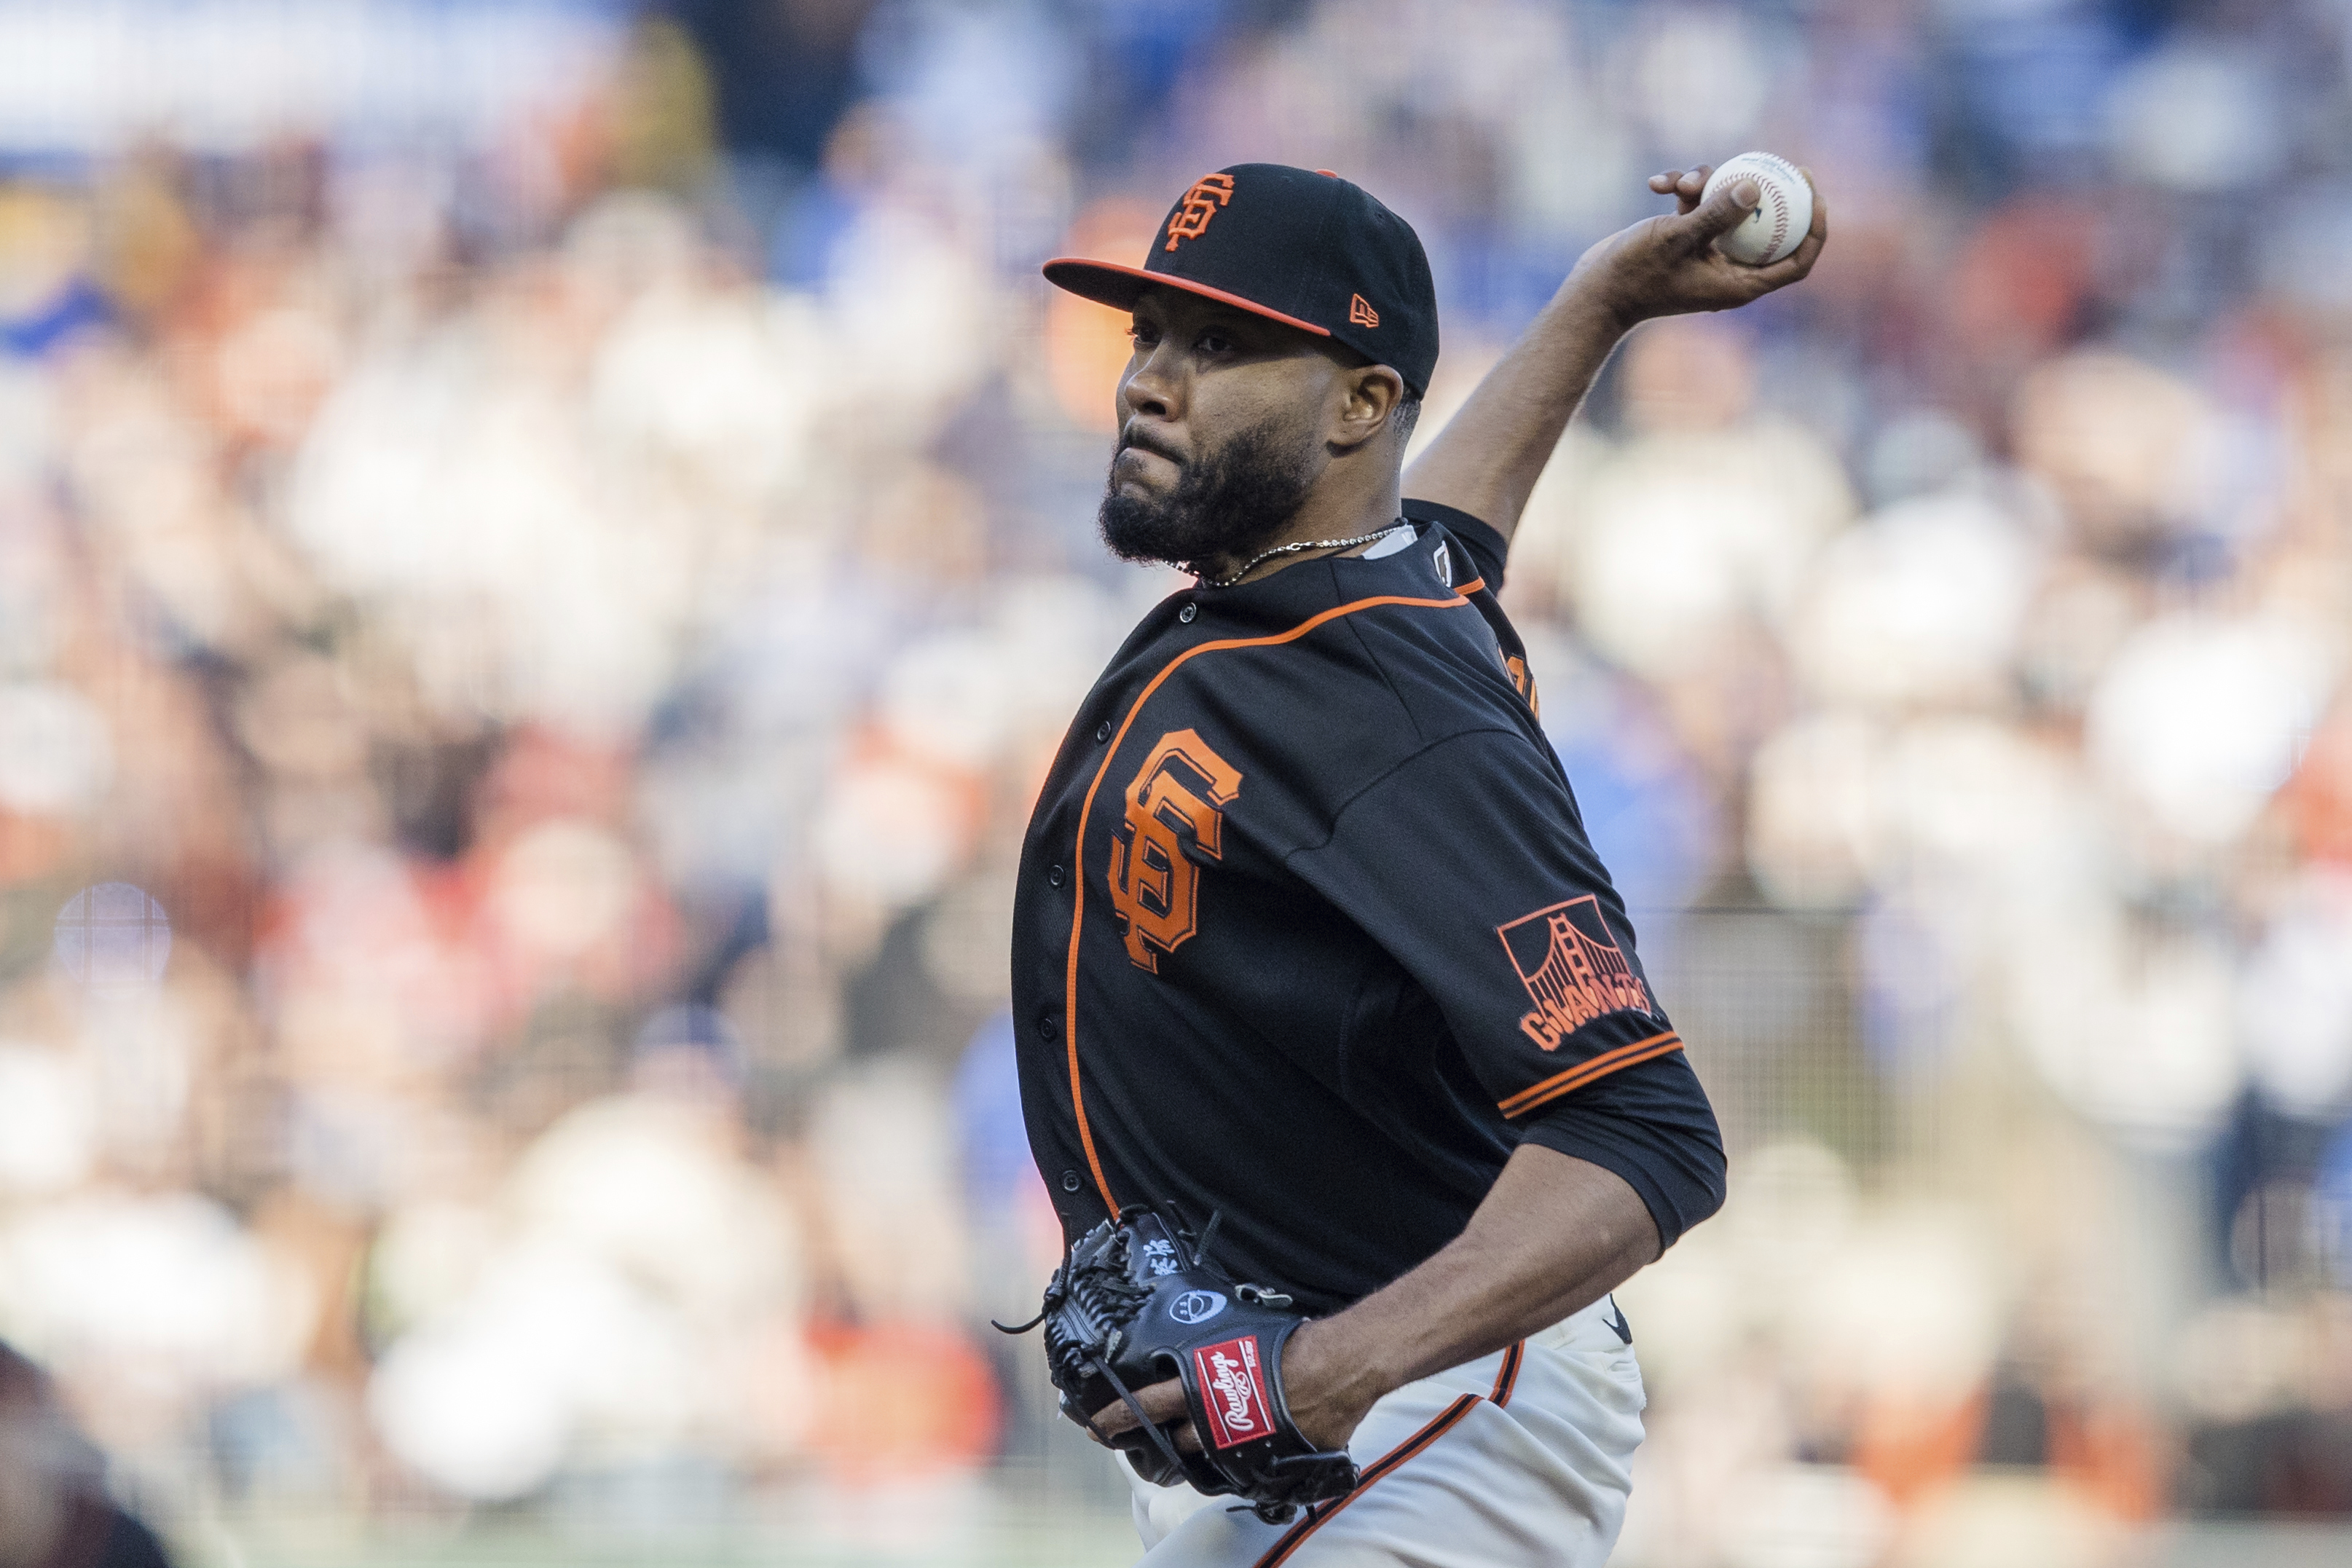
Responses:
[1109,1300]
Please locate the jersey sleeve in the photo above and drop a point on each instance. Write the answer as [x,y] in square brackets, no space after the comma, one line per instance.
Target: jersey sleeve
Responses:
[1468,864]
[1652,1125]
[1487,549]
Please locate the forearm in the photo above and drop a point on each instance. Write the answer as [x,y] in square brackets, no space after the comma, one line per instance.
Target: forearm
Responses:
[1487,460]
[1554,1234]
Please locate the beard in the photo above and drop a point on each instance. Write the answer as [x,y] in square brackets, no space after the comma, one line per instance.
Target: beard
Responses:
[1232,502]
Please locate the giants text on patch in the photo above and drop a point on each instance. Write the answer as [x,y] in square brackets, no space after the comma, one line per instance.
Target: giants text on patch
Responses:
[1178,796]
[1573,969]
[1209,193]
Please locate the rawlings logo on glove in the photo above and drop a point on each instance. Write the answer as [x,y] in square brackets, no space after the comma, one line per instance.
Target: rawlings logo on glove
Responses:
[1238,1413]
[1127,1309]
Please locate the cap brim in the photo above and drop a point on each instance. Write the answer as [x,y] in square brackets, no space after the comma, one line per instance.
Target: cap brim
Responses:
[1107,283]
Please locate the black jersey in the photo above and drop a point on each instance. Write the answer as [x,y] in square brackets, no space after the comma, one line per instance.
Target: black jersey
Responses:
[1309,931]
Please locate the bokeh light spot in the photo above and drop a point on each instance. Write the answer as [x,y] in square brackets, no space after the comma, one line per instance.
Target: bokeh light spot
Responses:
[111,937]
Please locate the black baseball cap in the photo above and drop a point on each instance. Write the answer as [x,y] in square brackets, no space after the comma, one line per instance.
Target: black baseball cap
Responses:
[1301,247]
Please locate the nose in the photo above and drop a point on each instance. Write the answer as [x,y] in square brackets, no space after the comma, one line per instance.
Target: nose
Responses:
[1153,387]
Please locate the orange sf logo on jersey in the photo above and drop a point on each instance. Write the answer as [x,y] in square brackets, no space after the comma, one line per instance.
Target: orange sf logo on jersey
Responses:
[1155,883]
[1209,193]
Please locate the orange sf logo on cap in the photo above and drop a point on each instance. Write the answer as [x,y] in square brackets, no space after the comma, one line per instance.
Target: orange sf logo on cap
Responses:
[1209,193]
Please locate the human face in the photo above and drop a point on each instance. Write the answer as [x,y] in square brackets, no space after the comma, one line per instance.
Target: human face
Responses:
[1220,432]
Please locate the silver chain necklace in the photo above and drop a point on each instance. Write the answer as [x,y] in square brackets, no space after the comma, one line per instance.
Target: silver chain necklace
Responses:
[1248,566]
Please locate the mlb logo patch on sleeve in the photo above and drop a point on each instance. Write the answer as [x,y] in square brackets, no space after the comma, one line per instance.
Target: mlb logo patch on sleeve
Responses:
[1233,1391]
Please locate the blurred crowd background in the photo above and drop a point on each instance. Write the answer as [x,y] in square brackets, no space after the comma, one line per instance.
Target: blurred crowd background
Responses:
[544,550]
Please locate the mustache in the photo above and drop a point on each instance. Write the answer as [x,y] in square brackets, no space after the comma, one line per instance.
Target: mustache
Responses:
[1129,436]
[1230,500]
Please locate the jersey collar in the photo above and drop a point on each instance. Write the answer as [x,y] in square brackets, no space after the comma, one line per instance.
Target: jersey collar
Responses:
[1426,564]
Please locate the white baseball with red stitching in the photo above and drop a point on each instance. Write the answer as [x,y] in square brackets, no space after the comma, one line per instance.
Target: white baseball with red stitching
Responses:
[1784,208]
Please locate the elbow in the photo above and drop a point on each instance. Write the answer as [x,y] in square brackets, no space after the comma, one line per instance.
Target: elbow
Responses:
[1709,1168]
[1713,1169]
[1700,1192]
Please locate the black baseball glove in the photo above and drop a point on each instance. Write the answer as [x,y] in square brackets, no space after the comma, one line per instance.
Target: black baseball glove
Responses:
[1139,1302]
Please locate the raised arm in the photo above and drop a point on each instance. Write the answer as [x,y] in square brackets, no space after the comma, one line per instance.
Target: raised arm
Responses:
[1488,458]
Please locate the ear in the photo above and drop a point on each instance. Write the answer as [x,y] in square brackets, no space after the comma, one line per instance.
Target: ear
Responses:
[1365,398]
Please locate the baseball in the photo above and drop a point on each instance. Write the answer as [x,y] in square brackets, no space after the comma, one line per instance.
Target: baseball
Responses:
[1784,208]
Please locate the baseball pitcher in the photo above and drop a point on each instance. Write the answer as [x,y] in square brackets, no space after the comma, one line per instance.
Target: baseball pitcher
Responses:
[1337,1053]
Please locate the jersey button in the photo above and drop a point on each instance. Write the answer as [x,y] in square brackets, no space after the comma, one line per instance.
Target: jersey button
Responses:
[1070,1182]
[1047,1028]
[1186,614]
[1102,732]
[1056,876]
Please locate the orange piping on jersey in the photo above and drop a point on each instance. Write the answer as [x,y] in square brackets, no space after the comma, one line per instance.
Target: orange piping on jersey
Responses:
[1507,1377]
[1444,1422]
[1086,807]
[1472,586]
[1585,1072]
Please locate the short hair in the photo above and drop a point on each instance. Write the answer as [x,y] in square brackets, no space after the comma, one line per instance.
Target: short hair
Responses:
[1405,417]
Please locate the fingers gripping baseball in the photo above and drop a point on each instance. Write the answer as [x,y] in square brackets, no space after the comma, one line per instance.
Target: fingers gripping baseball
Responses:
[1726,212]
[1685,186]
[1671,266]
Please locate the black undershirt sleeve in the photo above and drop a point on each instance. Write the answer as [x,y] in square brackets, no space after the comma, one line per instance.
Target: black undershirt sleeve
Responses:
[1487,547]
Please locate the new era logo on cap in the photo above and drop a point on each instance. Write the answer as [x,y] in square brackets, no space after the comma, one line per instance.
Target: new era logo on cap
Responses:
[1300,246]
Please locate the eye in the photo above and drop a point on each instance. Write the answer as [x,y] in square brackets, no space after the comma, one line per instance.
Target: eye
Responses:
[1144,333]
[1214,342]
